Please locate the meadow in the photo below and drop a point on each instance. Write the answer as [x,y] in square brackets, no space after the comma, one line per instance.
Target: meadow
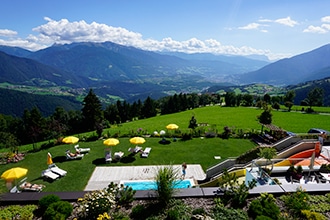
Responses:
[197,151]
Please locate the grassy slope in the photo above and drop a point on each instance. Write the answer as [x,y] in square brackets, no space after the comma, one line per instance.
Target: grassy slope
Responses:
[197,151]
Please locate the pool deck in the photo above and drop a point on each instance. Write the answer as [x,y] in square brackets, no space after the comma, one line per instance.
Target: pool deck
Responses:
[102,176]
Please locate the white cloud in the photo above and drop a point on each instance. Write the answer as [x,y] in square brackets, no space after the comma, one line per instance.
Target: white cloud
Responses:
[326,19]
[64,31]
[7,33]
[251,26]
[286,21]
[315,29]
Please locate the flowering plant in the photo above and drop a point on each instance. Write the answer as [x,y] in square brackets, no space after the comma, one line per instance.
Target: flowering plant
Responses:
[95,203]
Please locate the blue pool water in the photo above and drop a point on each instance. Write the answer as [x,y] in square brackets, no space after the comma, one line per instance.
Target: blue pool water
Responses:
[148,185]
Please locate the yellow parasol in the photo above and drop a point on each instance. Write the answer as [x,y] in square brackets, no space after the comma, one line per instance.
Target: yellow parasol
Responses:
[172,127]
[137,140]
[70,140]
[14,173]
[111,142]
[49,159]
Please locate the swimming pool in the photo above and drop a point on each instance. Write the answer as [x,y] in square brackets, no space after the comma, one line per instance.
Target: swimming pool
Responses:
[151,185]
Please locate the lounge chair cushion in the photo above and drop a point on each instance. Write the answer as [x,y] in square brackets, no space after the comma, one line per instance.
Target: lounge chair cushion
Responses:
[146,152]
[118,155]
[50,175]
[81,150]
[135,150]
[57,170]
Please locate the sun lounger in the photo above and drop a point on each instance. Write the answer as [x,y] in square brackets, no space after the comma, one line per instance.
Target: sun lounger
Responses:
[57,170]
[118,155]
[146,152]
[48,174]
[77,156]
[81,150]
[135,150]
[26,186]
[107,157]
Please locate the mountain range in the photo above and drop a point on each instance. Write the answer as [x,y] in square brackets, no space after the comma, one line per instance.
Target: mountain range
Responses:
[120,72]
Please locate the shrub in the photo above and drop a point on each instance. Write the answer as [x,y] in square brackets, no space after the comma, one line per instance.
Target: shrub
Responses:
[126,195]
[313,215]
[58,210]
[138,212]
[95,203]
[248,156]
[165,179]
[186,136]
[173,214]
[296,202]
[45,201]
[18,212]
[222,213]
[198,211]
[264,206]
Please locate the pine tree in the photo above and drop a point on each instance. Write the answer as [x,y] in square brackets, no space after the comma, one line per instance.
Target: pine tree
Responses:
[92,111]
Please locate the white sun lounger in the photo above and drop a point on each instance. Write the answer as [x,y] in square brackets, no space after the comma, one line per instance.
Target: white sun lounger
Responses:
[69,157]
[81,150]
[118,155]
[49,174]
[57,170]
[146,152]
[135,150]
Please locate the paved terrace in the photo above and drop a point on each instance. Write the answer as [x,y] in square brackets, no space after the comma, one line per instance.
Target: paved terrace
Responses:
[102,176]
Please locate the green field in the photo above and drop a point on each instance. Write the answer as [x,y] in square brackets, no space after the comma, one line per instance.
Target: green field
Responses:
[196,151]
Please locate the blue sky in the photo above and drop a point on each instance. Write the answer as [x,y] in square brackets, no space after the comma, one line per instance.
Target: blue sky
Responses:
[275,28]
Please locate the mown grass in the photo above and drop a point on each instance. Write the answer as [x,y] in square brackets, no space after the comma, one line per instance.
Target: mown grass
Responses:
[196,151]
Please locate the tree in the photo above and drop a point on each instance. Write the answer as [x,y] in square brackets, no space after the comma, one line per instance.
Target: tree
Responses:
[34,125]
[289,96]
[230,99]
[288,105]
[149,108]
[92,111]
[276,105]
[265,117]
[247,100]
[268,153]
[315,97]
[267,98]
[192,123]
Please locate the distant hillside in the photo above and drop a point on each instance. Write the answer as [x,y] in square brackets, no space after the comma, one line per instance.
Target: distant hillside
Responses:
[292,70]
[15,51]
[14,103]
[117,72]
[23,71]
[303,89]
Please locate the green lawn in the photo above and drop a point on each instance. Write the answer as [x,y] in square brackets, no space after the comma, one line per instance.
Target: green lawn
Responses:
[197,151]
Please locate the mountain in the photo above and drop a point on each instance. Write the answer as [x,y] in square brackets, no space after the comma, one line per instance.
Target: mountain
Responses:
[120,72]
[109,62]
[28,72]
[15,51]
[306,66]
